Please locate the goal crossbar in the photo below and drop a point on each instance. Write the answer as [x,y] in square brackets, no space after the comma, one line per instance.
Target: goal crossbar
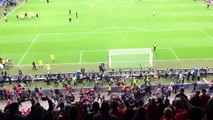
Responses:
[139,57]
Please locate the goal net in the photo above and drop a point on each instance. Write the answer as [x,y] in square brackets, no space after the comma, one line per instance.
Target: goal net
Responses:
[123,58]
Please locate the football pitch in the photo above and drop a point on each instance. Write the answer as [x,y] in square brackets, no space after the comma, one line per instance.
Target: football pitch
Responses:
[183,30]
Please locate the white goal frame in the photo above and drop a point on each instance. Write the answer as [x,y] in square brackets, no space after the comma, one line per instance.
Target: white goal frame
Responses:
[131,52]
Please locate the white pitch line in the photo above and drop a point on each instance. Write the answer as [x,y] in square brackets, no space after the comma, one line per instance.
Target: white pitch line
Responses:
[174,54]
[120,27]
[116,49]
[106,61]
[33,41]
[165,60]
[186,59]
[198,59]
[80,57]
[163,48]
[94,50]
[67,63]
[209,36]
[117,31]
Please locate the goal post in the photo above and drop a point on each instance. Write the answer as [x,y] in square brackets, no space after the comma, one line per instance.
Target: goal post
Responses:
[123,58]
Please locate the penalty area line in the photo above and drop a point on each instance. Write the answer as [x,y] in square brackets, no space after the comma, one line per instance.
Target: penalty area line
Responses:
[163,48]
[206,34]
[33,41]
[81,52]
[106,62]
[174,54]
[94,50]
[58,64]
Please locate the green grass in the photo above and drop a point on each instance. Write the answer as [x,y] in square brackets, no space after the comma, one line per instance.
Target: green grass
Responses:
[184,27]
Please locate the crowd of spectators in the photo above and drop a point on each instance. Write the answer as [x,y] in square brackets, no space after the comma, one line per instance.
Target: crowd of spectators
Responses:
[179,75]
[120,106]
[2,2]
[7,3]
[134,102]
[178,78]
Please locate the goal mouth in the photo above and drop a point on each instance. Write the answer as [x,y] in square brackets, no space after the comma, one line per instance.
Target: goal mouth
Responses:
[127,58]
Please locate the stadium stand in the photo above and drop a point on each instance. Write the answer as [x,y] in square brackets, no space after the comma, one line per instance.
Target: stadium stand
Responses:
[7,5]
[135,102]
[2,2]
[171,73]
[128,105]
[7,2]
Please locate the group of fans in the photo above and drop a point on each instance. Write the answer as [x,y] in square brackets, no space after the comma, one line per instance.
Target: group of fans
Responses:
[6,63]
[135,102]
[8,5]
[92,105]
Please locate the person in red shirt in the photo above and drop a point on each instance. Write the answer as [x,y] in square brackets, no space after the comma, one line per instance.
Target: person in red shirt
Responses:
[187,106]
[28,111]
[19,91]
[23,112]
[205,98]
[8,93]
[181,116]
[153,111]
[68,88]
[117,109]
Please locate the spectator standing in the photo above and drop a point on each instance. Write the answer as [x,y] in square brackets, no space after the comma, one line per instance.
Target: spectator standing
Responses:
[181,94]
[117,109]
[205,98]
[104,113]
[34,66]
[109,89]
[20,73]
[194,86]
[141,114]
[196,100]
[5,13]
[168,114]
[153,111]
